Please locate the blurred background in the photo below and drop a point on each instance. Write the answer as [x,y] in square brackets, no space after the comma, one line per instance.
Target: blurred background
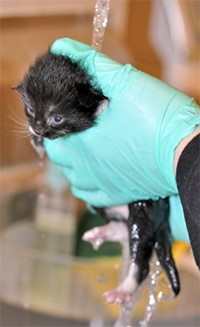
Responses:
[48,276]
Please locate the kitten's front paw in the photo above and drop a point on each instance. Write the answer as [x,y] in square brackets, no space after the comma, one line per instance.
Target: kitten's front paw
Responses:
[113,231]
[95,237]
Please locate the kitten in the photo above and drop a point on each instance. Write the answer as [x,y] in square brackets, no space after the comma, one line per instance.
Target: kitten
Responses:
[60,98]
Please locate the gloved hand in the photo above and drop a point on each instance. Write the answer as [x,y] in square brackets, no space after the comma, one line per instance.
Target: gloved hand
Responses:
[128,155]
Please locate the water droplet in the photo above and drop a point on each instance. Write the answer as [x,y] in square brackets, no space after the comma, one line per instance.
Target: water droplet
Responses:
[157,263]
[97,243]
[160,295]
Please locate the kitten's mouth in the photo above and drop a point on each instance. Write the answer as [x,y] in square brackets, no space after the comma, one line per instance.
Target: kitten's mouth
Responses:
[48,135]
[39,135]
[33,132]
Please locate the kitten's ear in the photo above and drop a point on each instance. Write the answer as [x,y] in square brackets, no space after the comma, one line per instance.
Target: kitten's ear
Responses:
[89,97]
[103,105]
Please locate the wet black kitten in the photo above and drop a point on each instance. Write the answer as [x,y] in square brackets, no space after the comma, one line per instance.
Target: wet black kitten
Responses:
[59,99]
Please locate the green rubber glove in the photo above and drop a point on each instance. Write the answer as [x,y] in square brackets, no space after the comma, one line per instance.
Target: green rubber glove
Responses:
[128,155]
[177,220]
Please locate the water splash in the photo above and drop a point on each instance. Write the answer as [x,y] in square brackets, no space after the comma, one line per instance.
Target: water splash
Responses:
[127,310]
[126,314]
[159,290]
[100,22]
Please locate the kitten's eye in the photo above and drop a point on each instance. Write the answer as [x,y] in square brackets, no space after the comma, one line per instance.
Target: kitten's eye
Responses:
[56,119]
[31,111]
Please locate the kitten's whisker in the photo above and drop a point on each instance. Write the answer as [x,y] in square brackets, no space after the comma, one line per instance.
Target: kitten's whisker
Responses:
[13,112]
[20,132]
[20,135]
[14,116]
[17,124]
[23,129]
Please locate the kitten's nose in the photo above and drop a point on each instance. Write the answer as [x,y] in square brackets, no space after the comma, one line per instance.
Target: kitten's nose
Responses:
[38,128]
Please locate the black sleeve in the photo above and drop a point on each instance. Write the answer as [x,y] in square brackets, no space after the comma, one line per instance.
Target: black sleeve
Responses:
[188,182]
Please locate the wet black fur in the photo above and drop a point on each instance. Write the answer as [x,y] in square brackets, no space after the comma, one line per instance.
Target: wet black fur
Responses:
[154,234]
[149,231]
[56,85]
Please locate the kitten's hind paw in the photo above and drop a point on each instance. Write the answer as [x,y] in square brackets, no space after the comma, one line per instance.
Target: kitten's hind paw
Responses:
[117,296]
[124,292]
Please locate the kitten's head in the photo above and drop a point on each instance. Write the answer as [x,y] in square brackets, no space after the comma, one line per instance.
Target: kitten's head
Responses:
[58,97]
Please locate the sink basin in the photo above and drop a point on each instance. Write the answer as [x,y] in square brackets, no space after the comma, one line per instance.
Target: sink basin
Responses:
[40,279]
